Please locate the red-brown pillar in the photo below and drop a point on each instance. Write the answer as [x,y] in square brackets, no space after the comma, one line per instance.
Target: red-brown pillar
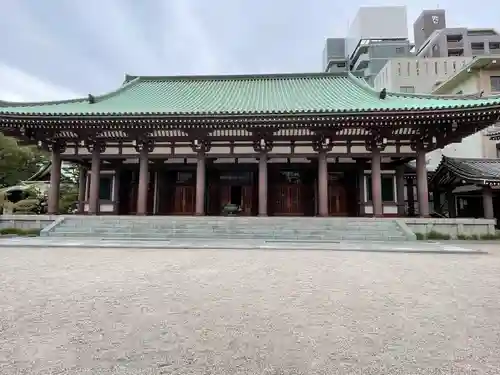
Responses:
[263,184]
[82,185]
[488,203]
[142,191]
[400,190]
[422,185]
[377,183]
[200,184]
[95,180]
[322,183]
[55,179]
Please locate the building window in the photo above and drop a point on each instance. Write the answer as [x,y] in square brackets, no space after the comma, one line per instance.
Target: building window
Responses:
[407,89]
[400,50]
[105,187]
[341,65]
[436,67]
[388,189]
[408,69]
[477,46]
[399,69]
[445,65]
[454,66]
[495,83]
[494,45]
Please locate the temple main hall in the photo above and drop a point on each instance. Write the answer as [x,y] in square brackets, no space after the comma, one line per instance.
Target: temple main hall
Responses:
[322,144]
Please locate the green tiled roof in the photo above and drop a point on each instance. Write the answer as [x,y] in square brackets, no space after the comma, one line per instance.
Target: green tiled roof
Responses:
[250,94]
[469,169]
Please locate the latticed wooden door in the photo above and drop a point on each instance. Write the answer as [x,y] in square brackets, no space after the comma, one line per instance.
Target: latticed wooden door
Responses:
[337,200]
[288,200]
[246,200]
[184,200]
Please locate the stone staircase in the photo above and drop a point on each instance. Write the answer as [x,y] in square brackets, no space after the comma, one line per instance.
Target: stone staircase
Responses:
[230,228]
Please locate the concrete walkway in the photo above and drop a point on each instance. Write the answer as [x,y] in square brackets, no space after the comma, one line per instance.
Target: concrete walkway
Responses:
[365,246]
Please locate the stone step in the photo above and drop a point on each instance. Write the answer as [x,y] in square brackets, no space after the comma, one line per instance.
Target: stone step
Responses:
[237,228]
[236,237]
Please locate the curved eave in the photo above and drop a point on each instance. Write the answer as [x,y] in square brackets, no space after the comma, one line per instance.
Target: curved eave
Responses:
[453,175]
[344,112]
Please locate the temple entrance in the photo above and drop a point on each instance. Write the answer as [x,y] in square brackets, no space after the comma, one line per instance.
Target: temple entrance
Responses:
[337,197]
[235,195]
[291,192]
[231,187]
[176,193]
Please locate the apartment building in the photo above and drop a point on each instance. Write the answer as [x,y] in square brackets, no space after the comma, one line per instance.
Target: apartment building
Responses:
[434,39]
[375,35]
[481,77]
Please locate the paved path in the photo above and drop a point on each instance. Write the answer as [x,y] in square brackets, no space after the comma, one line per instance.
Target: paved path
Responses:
[145,311]
[388,246]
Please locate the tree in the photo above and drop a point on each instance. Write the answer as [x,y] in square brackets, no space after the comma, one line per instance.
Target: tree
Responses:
[18,163]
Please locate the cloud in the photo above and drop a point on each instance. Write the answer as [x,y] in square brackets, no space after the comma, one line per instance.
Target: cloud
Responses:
[20,86]
[193,39]
[113,26]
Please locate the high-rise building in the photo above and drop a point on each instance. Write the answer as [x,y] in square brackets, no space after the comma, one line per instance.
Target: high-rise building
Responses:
[375,35]
[434,39]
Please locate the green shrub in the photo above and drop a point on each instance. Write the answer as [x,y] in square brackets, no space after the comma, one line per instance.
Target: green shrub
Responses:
[432,235]
[419,236]
[28,206]
[19,232]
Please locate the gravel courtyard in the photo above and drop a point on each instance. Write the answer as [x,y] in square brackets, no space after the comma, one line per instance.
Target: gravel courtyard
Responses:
[105,311]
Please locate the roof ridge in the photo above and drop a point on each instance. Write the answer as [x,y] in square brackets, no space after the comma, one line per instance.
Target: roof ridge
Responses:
[451,158]
[223,77]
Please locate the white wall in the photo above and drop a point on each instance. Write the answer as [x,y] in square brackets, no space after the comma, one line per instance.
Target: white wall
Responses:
[423,74]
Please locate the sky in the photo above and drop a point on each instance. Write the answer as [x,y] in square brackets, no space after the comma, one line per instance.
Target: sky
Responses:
[59,49]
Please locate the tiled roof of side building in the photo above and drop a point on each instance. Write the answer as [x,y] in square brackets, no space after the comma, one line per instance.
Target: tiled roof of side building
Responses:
[244,95]
[469,170]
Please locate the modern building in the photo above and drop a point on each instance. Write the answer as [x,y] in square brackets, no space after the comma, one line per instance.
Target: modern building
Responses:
[434,39]
[375,35]
[418,75]
[284,144]
[481,77]
[335,56]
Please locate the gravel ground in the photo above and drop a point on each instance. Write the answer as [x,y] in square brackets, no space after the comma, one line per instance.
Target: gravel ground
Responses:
[106,311]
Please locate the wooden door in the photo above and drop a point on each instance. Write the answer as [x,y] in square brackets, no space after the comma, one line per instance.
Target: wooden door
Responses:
[288,200]
[337,200]
[214,206]
[246,200]
[184,200]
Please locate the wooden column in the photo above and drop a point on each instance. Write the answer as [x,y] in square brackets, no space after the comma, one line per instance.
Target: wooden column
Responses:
[263,184]
[488,203]
[82,188]
[322,184]
[200,184]
[361,166]
[378,210]
[322,145]
[201,147]
[143,145]
[422,184]
[55,178]
[142,190]
[450,201]
[95,176]
[400,190]
[411,197]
